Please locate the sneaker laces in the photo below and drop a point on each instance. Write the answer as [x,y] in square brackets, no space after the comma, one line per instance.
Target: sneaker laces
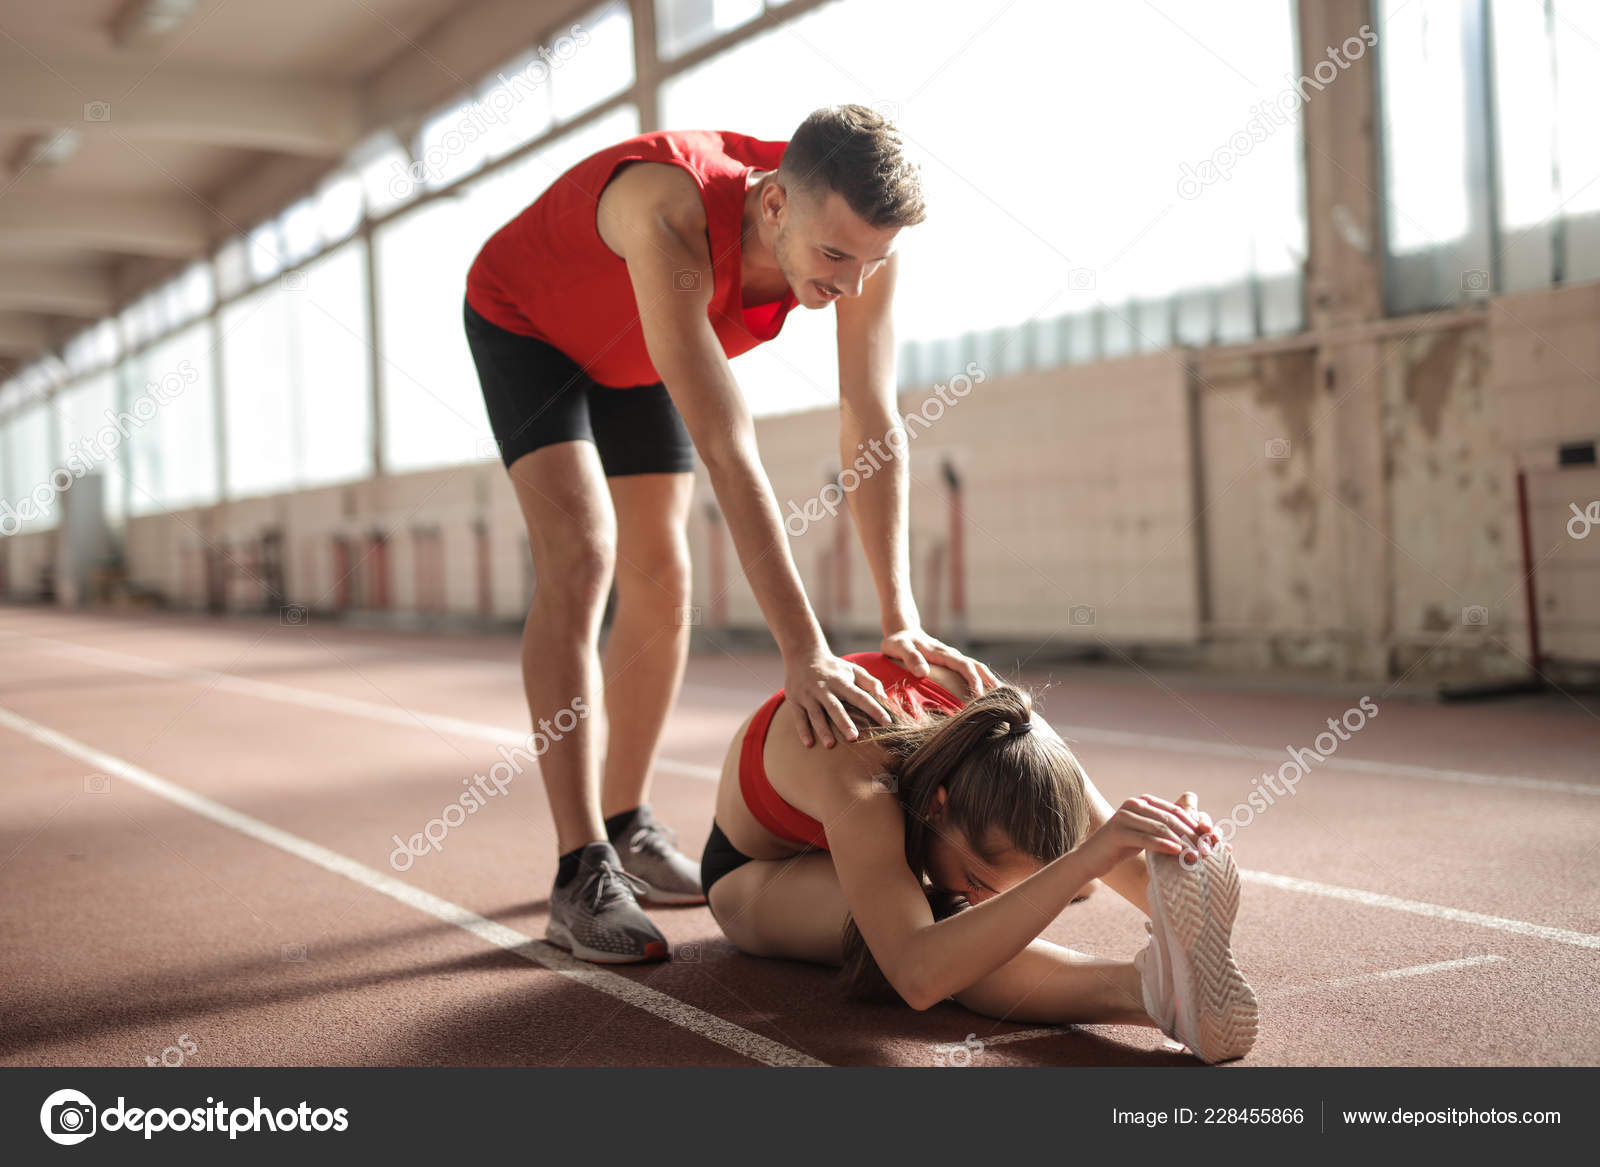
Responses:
[607,882]
[651,837]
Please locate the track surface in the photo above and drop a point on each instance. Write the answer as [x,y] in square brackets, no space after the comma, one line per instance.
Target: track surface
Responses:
[195,838]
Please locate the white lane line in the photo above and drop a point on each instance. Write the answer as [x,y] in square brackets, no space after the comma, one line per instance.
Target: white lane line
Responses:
[1184,745]
[1416,970]
[1189,745]
[314,699]
[669,1009]
[327,702]
[1373,899]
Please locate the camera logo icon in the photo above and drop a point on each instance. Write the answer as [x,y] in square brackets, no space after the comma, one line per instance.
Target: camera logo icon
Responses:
[1475,614]
[96,784]
[1081,615]
[686,279]
[691,615]
[1475,280]
[97,111]
[292,615]
[68,1117]
[689,952]
[1278,448]
[1081,279]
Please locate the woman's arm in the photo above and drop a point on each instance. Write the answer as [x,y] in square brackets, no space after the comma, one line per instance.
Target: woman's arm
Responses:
[1129,879]
[927,961]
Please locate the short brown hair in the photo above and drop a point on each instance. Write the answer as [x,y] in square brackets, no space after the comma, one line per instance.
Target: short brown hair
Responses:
[856,151]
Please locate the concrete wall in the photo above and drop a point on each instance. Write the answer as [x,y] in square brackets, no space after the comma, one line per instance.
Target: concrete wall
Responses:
[1259,507]
[1244,505]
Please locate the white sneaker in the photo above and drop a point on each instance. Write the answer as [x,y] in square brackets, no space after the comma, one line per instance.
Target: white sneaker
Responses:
[1193,989]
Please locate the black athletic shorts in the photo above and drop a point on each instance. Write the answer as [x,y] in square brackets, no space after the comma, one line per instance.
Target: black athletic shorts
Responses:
[719,858]
[537,396]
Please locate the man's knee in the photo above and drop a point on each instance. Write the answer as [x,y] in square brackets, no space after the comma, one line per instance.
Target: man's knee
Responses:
[576,572]
[656,569]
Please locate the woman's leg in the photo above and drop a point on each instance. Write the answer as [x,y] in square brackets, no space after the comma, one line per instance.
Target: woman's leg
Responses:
[795,908]
[1057,986]
[791,908]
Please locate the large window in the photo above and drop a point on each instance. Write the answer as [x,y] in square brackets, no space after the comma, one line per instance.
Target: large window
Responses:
[1491,161]
[1058,144]
[89,438]
[592,64]
[167,393]
[296,372]
[682,25]
[1547,91]
[31,489]
[433,408]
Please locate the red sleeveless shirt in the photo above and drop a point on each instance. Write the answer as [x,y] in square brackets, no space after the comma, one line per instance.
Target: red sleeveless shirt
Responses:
[549,275]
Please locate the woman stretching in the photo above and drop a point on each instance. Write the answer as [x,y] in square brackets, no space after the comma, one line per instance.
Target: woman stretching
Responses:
[924,859]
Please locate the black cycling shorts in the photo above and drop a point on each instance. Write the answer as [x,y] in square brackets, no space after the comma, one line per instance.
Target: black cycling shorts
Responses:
[537,396]
[719,858]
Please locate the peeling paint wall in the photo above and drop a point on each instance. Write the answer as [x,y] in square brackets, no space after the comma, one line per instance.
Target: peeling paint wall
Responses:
[1263,517]
[1453,519]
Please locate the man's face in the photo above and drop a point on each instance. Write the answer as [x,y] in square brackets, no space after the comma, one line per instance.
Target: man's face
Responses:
[825,250]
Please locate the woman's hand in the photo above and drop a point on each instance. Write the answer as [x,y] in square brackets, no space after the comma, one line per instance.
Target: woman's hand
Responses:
[1148,823]
[817,686]
[1208,830]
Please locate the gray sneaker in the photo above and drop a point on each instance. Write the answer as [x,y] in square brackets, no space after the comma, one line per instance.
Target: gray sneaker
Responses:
[649,851]
[597,916]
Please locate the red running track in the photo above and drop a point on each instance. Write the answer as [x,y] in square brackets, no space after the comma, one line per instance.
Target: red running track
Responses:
[196,821]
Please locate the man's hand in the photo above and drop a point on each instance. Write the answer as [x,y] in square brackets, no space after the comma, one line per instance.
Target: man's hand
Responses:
[915,650]
[817,687]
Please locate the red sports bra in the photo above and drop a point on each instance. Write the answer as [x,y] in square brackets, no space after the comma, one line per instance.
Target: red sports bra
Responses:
[768,807]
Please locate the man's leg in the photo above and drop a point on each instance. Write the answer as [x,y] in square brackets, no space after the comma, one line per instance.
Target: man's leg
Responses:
[572,535]
[644,661]
[649,464]
[648,646]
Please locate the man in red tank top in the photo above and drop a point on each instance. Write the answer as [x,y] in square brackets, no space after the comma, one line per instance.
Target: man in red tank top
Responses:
[601,321]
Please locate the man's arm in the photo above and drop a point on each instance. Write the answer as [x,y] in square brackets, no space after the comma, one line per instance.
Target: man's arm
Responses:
[663,242]
[868,415]
[669,265]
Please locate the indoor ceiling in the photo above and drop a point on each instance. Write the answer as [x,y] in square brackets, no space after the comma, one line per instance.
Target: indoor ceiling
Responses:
[137,134]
